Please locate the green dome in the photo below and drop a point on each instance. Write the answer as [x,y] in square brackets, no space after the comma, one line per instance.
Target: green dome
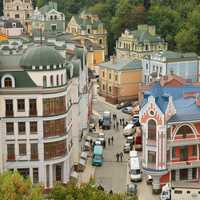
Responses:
[41,56]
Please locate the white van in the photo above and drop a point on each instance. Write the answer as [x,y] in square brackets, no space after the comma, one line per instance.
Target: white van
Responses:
[129,130]
[133,154]
[134,169]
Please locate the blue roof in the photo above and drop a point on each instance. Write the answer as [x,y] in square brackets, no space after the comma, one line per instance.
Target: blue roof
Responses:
[186,108]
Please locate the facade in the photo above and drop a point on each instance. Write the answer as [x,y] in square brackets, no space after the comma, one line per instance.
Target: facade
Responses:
[48,20]
[89,26]
[20,10]
[119,79]
[170,119]
[164,63]
[11,27]
[41,99]
[139,43]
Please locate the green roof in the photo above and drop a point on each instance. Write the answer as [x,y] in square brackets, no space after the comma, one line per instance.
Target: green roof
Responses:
[46,8]
[172,56]
[41,56]
[22,79]
[10,62]
[122,64]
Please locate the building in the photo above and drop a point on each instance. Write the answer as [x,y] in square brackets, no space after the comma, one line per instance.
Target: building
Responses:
[139,43]
[41,98]
[170,120]
[164,63]
[11,27]
[20,10]
[119,79]
[89,26]
[48,20]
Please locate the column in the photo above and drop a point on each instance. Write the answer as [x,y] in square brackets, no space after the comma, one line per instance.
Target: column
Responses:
[50,176]
[31,174]
[65,171]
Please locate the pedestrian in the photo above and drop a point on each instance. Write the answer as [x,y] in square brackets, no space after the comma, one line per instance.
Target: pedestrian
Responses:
[114,125]
[126,123]
[117,124]
[121,156]
[104,143]
[108,141]
[117,156]
[112,140]
[91,142]
[111,192]
[120,121]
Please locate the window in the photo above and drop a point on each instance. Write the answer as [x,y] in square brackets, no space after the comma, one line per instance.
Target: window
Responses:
[10,151]
[146,47]
[168,133]
[8,82]
[24,172]
[51,17]
[55,17]
[183,174]
[22,149]
[21,128]
[184,153]
[32,107]
[53,27]
[51,80]
[44,81]
[194,150]
[17,16]
[89,31]
[27,16]
[110,89]
[184,130]
[9,128]
[34,151]
[103,87]
[152,157]
[178,191]
[20,105]
[35,175]
[62,79]
[194,173]
[109,75]
[17,8]
[173,152]
[152,130]
[103,74]
[168,155]
[173,175]
[100,41]
[116,77]
[9,108]
[57,80]
[33,127]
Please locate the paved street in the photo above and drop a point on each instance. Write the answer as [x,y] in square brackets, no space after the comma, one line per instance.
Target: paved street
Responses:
[114,175]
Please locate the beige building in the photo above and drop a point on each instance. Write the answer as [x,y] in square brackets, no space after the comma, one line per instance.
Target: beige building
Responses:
[20,10]
[139,43]
[119,79]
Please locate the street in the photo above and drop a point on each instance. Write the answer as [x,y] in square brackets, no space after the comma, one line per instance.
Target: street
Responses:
[114,175]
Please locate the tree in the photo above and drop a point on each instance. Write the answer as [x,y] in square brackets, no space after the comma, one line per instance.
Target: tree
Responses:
[83,192]
[14,187]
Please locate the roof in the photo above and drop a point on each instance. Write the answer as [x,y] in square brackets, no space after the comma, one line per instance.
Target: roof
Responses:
[41,56]
[10,62]
[46,8]
[8,23]
[174,56]
[122,64]
[185,105]
[22,79]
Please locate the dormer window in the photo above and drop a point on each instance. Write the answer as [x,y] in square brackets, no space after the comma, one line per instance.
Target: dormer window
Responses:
[89,31]
[8,82]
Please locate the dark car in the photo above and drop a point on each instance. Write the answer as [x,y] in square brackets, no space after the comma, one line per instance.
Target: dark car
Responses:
[131,189]
[123,105]
[127,110]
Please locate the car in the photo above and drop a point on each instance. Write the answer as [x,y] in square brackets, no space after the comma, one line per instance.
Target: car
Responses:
[92,124]
[135,120]
[130,140]
[132,189]
[101,135]
[127,148]
[129,130]
[149,180]
[127,110]
[123,105]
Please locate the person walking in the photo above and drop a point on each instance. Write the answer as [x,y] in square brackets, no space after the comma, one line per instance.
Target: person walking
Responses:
[117,157]
[117,124]
[108,141]
[121,156]
[120,121]
[114,125]
[112,140]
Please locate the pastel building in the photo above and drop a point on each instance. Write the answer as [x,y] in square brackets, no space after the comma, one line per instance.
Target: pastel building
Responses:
[164,63]
[140,42]
[41,98]
[170,119]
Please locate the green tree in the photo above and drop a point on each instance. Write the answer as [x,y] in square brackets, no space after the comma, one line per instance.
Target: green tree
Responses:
[14,187]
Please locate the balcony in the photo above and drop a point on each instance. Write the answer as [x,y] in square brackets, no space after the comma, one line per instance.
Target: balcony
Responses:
[34,156]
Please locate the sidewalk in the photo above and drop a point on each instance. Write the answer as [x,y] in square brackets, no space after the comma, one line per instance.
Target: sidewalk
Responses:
[84,177]
[102,99]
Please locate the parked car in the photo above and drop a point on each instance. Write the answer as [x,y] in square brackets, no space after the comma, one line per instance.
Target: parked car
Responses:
[92,124]
[124,104]
[127,148]
[149,180]
[129,130]
[131,189]
[135,120]
[106,124]
[127,110]
[130,140]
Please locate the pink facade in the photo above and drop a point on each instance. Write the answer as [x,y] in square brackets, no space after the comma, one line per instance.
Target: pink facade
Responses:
[11,31]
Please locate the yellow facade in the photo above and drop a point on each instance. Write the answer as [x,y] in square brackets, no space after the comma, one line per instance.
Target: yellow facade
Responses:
[117,86]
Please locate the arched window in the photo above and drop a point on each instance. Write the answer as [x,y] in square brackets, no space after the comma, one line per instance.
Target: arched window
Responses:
[55,17]
[17,8]
[44,81]
[152,129]
[8,82]
[61,79]
[100,41]
[51,80]
[184,130]
[57,80]
[51,17]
